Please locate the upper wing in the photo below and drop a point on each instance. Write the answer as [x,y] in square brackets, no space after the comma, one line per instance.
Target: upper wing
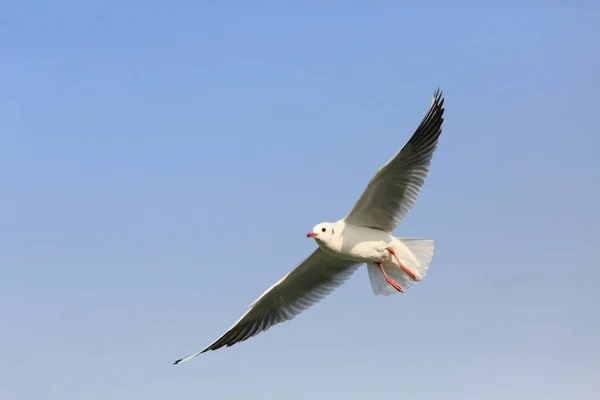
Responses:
[394,188]
[316,277]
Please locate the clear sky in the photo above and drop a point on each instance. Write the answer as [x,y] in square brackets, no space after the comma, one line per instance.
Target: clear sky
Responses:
[161,163]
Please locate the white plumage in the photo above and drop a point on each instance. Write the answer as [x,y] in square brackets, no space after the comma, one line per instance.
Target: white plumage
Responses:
[361,237]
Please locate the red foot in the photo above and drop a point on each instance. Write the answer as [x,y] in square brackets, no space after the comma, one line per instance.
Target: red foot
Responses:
[406,270]
[390,280]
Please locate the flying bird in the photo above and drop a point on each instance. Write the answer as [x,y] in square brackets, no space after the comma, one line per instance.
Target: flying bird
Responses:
[363,236]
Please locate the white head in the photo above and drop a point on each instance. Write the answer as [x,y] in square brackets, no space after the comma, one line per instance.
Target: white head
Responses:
[323,232]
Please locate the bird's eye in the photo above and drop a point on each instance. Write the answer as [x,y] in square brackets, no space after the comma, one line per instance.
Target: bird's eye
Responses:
[323,230]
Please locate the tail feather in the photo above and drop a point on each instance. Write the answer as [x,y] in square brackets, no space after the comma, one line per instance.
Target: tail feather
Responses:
[378,283]
[415,254]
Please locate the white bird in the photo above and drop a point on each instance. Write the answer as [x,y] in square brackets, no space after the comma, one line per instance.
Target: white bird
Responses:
[361,237]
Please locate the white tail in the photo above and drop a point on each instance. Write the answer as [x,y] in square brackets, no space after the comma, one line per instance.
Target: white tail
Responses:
[415,254]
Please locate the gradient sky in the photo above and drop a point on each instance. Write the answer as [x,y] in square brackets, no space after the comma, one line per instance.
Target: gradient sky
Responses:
[161,163]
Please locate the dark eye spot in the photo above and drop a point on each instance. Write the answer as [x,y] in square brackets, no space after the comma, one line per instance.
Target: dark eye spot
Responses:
[323,230]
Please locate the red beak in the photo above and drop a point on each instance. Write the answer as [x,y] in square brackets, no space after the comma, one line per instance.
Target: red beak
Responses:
[311,235]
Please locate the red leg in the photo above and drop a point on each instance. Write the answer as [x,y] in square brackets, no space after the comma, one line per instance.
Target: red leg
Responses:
[390,280]
[406,270]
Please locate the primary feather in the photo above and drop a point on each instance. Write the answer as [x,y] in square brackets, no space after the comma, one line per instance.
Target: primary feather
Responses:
[394,189]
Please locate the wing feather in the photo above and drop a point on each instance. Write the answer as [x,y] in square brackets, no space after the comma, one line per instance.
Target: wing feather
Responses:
[394,189]
[315,278]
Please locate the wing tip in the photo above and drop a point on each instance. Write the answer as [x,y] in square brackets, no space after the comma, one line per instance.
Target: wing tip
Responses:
[436,108]
[438,98]
[184,359]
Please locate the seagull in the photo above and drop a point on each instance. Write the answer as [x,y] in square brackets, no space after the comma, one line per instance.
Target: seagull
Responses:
[363,236]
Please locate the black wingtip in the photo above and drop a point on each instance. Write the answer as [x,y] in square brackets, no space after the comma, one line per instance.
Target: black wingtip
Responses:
[437,103]
[178,361]
[437,95]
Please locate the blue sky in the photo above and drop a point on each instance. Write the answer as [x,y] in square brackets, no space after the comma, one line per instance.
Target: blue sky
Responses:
[161,164]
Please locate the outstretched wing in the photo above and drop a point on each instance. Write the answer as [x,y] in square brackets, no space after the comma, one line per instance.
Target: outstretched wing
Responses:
[316,277]
[395,187]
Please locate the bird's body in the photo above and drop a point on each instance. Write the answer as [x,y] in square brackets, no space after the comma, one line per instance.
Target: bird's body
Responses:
[356,243]
[362,245]
[363,236]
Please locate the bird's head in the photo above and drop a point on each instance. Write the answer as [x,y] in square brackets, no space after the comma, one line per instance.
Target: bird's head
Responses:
[322,231]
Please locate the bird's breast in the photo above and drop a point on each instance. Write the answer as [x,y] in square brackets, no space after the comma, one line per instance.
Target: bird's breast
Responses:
[361,244]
